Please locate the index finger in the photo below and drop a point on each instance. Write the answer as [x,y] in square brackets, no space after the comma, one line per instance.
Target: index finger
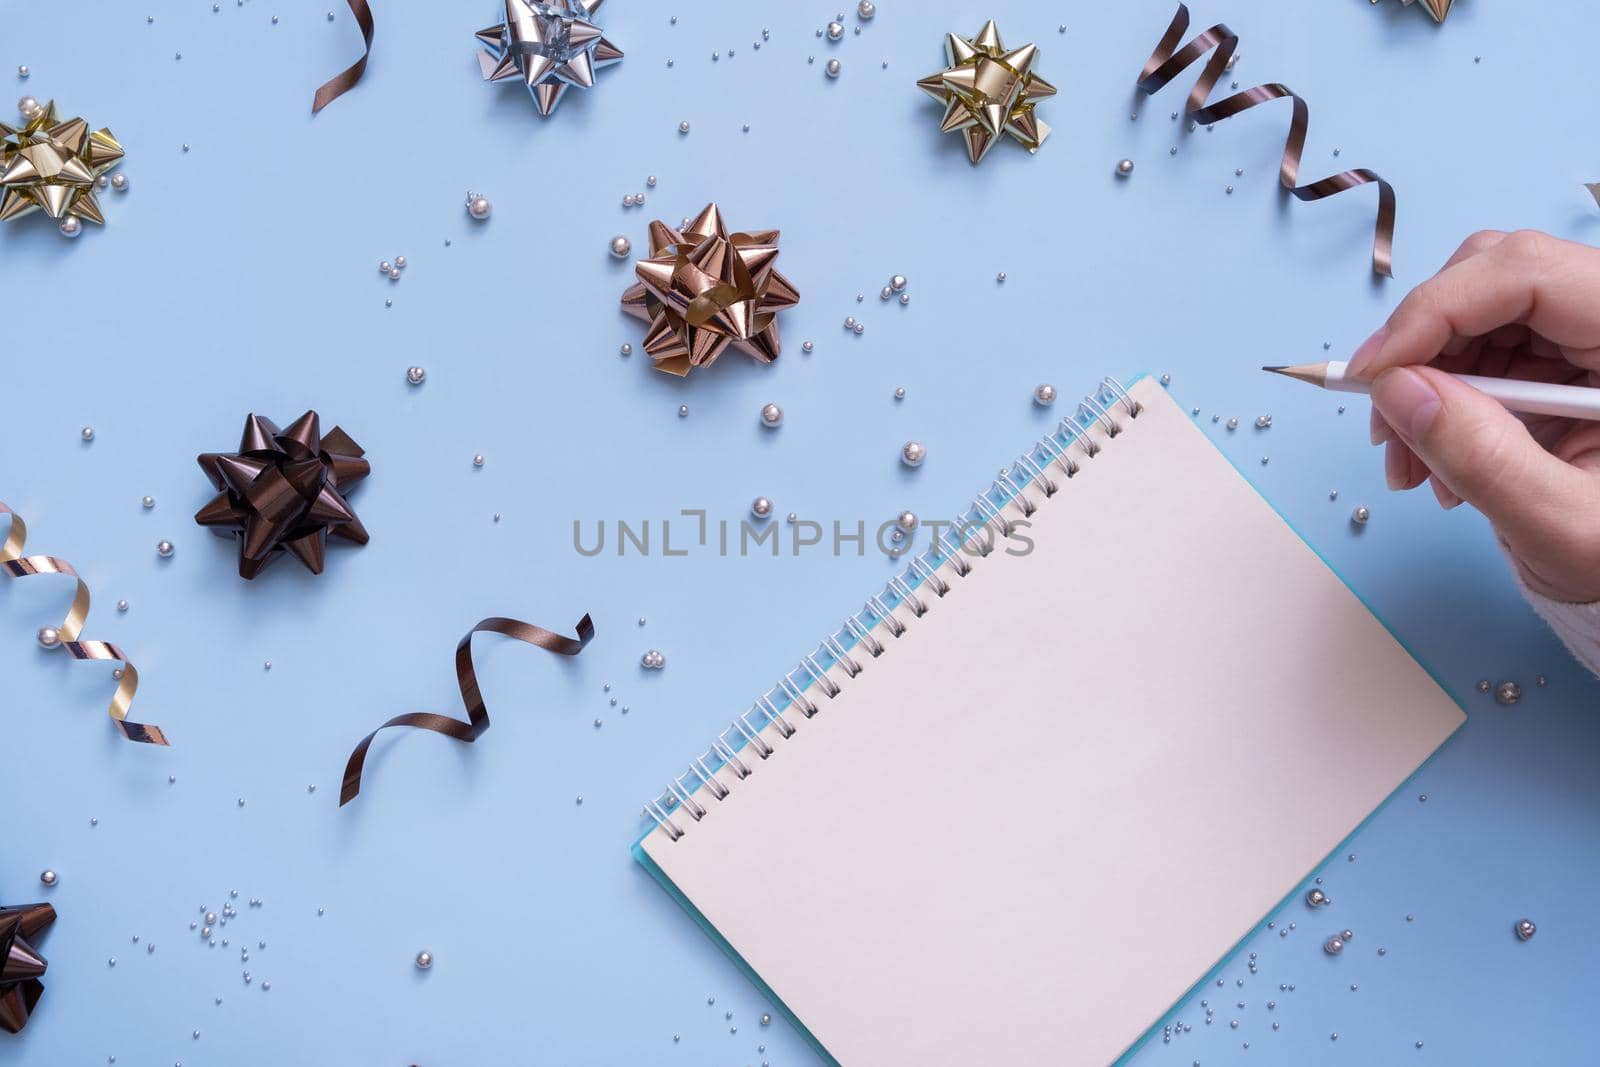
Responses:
[1529,279]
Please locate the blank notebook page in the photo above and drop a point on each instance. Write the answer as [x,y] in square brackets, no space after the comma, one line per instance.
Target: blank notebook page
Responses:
[972,853]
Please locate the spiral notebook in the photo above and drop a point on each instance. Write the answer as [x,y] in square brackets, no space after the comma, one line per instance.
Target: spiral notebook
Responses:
[1017,807]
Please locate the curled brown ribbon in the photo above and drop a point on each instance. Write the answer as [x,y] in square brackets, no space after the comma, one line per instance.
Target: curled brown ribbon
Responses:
[467,678]
[1168,61]
[346,79]
[16,565]
[1594,191]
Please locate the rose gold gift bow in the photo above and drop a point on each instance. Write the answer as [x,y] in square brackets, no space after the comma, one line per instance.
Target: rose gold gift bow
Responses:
[346,79]
[1168,61]
[15,564]
[467,679]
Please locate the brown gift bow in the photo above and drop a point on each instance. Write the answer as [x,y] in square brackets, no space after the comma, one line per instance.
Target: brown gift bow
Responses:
[703,289]
[15,564]
[467,679]
[20,964]
[284,491]
[1165,64]
[346,79]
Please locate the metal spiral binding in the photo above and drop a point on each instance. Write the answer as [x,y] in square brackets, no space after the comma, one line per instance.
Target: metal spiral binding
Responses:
[1037,468]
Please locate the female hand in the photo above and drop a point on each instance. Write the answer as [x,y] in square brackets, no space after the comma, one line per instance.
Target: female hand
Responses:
[1521,305]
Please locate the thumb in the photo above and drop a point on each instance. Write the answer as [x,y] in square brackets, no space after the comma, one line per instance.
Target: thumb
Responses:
[1542,506]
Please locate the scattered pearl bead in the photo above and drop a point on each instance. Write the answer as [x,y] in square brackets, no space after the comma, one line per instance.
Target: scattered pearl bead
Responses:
[621,246]
[122,605]
[22,71]
[49,637]
[683,127]
[1484,685]
[1333,946]
[683,411]
[164,549]
[898,282]
[1000,278]
[384,266]
[653,661]
[1044,394]
[627,200]
[1263,422]
[906,520]
[1508,693]
[900,392]
[626,349]
[479,207]
[905,298]
[761,507]
[912,453]
[806,347]
[1360,515]
[1317,898]
[835,31]
[885,293]
[1124,167]
[1526,929]
[477,460]
[833,68]
[416,375]
[70,227]
[47,877]
[651,181]
[771,416]
[866,9]
[424,960]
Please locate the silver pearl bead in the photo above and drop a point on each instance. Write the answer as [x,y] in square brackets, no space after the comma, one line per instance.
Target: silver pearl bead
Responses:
[384,266]
[49,637]
[1526,929]
[859,328]
[416,375]
[885,293]
[1263,422]
[906,520]
[627,200]
[1044,394]
[683,127]
[898,282]
[27,105]
[1360,515]
[394,274]
[1316,898]
[1124,167]
[1484,685]
[900,392]
[912,453]
[87,433]
[1508,693]
[621,246]
[626,349]
[477,460]
[651,181]
[638,198]
[835,31]
[164,549]
[1000,278]
[148,502]
[119,182]
[400,262]
[683,411]
[101,182]
[905,298]
[806,346]
[771,416]
[1333,946]
[70,226]
[761,507]
[850,322]
[22,71]
[424,960]
[833,68]
[479,207]
[47,877]
[652,660]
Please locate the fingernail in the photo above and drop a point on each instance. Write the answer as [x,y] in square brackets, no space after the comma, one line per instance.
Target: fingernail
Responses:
[1446,498]
[1407,401]
[1380,429]
[1396,464]
[1367,353]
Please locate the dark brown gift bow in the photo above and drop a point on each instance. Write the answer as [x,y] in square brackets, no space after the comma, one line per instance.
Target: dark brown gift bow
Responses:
[467,678]
[1166,64]
[346,79]
[20,963]
[14,563]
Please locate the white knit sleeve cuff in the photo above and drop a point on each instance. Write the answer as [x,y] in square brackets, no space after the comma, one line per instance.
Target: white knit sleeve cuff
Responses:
[1578,625]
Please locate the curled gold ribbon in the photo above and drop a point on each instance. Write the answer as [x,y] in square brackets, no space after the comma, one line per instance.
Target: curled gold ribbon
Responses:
[467,679]
[346,79]
[1168,61]
[16,565]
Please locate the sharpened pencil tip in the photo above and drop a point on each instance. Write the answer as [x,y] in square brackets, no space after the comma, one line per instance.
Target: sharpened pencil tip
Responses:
[1276,370]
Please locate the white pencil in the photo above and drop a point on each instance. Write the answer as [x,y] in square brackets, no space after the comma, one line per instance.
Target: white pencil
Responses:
[1530,398]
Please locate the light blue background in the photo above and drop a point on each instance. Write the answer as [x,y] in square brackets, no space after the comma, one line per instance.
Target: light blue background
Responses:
[241,277]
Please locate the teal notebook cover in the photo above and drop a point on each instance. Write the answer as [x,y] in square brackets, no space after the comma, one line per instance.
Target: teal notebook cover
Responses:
[849,642]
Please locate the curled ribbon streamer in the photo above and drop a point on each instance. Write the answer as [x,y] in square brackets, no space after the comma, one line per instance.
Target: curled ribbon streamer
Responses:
[1594,191]
[345,80]
[467,678]
[15,564]
[1168,61]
